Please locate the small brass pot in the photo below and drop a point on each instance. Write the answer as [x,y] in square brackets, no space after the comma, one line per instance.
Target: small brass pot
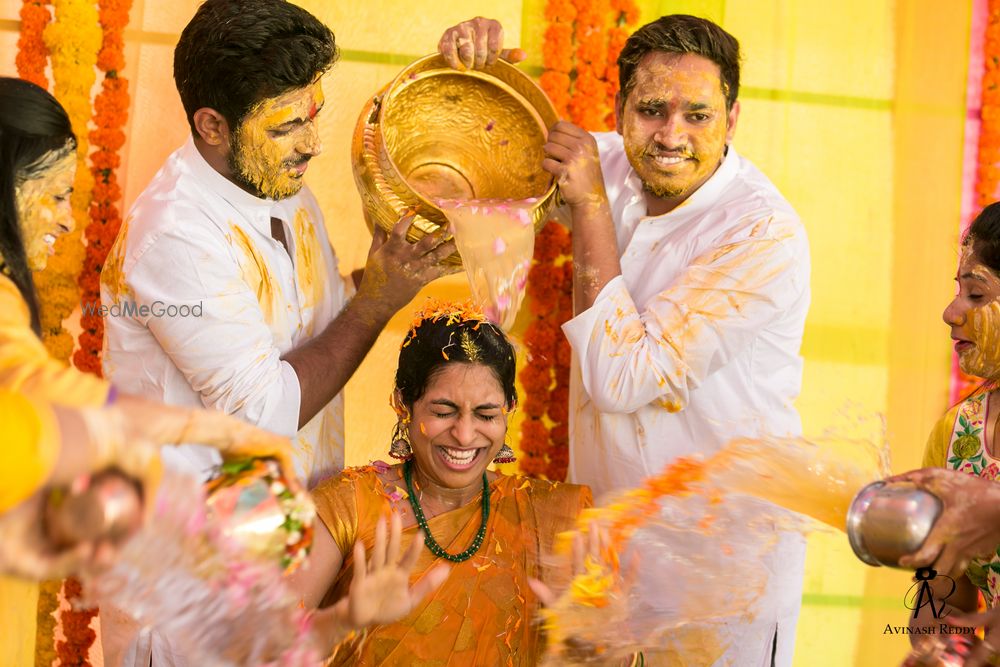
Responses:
[438,133]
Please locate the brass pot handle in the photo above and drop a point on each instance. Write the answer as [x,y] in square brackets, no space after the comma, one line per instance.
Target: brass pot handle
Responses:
[376,108]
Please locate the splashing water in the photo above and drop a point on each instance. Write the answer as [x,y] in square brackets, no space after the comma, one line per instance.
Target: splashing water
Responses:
[183,575]
[496,239]
[685,553]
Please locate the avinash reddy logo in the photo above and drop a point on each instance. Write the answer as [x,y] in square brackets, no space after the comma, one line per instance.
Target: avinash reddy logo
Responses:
[931,611]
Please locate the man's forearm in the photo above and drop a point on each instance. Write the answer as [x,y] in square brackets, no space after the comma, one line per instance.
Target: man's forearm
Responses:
[595,253]
[325,363]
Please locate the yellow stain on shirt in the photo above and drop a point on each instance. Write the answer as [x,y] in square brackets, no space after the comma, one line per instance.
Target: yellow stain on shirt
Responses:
[113,274]
[255,272]
[310,270]
[668,405]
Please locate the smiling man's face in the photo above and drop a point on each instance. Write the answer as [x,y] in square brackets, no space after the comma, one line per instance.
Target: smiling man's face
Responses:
[675,124]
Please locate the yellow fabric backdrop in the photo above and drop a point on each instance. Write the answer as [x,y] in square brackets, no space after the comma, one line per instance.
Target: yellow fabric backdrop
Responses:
[854,109]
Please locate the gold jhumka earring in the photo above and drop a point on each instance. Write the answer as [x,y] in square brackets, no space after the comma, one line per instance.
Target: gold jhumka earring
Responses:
[400,448]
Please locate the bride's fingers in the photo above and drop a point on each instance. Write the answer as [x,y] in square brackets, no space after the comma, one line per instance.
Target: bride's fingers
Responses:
[544,593]
[578,553]
[429,583]
[412,554]
[378,549]
[395,539]
[360,569]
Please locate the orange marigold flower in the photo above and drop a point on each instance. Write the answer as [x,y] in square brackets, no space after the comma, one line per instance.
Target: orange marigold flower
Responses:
[561,374]
[534,405]
[535,377]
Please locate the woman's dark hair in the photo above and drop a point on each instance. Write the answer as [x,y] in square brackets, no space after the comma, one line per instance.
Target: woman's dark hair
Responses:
[34,132]
[235,53]
[680,34]
[984,237]
[434,343]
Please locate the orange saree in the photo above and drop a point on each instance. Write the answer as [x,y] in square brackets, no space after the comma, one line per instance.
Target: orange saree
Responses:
[485,613]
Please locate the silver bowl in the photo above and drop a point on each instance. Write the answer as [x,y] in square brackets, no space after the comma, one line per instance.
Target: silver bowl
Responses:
[887,521]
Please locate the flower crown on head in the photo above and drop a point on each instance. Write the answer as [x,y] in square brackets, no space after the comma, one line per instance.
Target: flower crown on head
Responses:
[453,312]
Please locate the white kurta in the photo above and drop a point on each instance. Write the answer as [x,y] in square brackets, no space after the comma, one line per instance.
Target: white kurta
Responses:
[696,343]
[195,239]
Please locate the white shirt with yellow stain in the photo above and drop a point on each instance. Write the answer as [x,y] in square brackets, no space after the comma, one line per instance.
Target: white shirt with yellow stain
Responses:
[696,343]
[224,301]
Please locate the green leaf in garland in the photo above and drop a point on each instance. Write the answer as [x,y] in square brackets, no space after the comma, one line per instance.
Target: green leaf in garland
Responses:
[236,466]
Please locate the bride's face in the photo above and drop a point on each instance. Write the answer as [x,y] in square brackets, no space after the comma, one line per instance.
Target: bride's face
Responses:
[458,425]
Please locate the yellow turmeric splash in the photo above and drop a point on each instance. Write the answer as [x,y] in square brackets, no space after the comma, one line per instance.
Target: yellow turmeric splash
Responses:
[43,209]
[708,503]
[113,273]
[255,272]
[310,269]
[277,138]
[983,358]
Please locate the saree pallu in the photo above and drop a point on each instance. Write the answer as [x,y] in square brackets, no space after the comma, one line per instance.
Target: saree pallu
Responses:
[484,613]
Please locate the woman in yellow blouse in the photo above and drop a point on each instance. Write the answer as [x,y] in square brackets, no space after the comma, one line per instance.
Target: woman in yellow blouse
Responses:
[967,438]
[37,168]
[454,390]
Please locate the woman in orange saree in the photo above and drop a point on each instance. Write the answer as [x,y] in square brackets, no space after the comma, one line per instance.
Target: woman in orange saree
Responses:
[454,390]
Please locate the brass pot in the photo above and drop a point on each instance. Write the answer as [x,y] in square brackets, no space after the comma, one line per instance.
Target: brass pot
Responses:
[438,133]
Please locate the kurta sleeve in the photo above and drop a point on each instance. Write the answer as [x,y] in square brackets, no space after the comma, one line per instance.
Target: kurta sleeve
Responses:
[715,308]
[227,352]
[30,447]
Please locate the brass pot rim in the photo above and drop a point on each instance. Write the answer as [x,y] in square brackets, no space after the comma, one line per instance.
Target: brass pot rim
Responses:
[387,194]
[423,69]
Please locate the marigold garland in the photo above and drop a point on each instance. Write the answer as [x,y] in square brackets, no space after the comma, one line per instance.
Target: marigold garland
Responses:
[589,101]
[557,53]
[987,180]
[110,114]
[987,171]
[545,449]
[32,54]
[73,40]
[75,649]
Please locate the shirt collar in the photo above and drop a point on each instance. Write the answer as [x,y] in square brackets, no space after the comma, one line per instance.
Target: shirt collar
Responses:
[705,196]
[257,210]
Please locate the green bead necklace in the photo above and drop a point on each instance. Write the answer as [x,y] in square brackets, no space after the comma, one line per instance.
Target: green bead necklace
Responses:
[429,540]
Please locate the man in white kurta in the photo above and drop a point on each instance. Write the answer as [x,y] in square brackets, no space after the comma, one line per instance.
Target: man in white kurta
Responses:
[222,287]
[691,290]
[697,341]
[691,286]
[694,344]
[196,242]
